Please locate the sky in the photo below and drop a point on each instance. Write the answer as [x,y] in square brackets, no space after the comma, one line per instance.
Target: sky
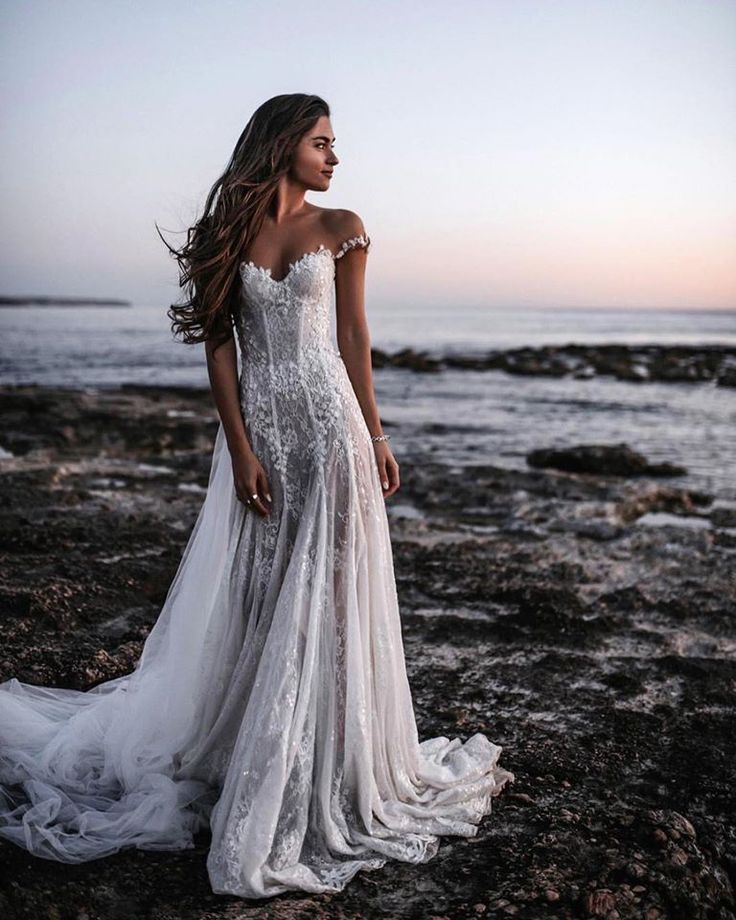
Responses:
[501,153]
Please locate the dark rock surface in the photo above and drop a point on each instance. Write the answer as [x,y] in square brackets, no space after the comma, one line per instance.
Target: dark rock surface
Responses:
[609,459]
[636,363]
[583,621]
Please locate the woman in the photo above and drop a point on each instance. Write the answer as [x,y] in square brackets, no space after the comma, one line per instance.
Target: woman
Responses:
[270,703]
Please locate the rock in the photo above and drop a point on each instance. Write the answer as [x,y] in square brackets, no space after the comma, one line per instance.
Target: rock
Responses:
[415,360]
[656,498]
[680,826]
[723,516]
[602,459]
[600,903]
[634,363]
[520,798]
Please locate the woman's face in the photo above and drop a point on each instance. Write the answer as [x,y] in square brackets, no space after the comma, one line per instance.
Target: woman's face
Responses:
[314,158]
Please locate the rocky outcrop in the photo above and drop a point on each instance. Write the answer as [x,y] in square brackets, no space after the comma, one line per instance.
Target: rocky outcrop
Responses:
[636,363]
[601,459]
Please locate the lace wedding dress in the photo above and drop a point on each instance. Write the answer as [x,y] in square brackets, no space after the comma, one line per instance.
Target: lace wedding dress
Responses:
[270,702]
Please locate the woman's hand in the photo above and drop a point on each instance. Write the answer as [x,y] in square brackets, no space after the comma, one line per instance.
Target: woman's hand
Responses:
[388,468]
[250,479]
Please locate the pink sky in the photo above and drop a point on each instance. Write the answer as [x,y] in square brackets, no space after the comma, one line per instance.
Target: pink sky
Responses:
[520,153]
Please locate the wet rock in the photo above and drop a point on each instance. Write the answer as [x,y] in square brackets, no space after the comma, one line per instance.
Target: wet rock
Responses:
[408,358]
[727,377]
[660,498]
[723,515]
[635,363]
[601,459]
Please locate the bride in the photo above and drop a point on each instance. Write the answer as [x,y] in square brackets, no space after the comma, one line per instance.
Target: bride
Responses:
[270,704]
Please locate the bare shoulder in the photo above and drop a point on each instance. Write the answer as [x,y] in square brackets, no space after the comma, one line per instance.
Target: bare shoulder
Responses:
[342,224]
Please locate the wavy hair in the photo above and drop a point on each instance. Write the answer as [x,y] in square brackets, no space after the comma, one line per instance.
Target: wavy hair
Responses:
[234,211]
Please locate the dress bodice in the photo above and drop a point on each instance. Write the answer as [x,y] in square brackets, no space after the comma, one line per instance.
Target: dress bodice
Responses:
[297,399]
[282,320]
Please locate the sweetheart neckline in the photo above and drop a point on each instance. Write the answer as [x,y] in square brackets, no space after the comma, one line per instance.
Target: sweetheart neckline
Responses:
[292,265]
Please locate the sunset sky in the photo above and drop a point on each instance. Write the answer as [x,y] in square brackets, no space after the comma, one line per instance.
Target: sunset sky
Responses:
[504,153]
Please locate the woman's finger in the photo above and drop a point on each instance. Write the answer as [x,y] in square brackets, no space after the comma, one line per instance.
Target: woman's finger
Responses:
[260,506]
[383,475]
[255,499]
[392,472]
[263,487]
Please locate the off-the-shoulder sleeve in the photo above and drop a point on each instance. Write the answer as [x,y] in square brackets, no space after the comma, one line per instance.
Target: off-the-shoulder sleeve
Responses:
[363,241]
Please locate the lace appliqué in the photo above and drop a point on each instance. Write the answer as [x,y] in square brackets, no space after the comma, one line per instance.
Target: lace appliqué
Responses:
[362,241]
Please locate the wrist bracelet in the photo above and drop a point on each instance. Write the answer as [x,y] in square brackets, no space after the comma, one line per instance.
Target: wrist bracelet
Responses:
[380,437]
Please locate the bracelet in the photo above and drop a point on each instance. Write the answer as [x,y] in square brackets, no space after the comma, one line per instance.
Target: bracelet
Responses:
[380,437]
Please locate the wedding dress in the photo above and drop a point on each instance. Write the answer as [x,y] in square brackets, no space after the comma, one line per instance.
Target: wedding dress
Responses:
[270,702]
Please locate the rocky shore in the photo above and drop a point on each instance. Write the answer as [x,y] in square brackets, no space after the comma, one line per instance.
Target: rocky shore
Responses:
[579,611]
[636,363]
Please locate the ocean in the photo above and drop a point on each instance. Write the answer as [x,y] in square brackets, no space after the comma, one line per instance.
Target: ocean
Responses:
[460,417]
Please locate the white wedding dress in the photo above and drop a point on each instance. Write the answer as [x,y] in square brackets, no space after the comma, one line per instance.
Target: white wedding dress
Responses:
[271,702]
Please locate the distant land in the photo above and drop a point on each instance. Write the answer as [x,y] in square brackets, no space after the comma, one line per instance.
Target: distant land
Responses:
[61,302]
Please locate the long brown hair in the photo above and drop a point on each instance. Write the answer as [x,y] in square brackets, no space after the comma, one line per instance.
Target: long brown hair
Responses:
[208,269]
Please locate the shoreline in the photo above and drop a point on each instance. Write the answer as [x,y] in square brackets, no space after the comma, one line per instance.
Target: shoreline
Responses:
[649,363]
[43,301]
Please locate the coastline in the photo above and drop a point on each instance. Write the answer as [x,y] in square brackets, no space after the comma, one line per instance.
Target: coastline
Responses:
[42,300]
[50,362]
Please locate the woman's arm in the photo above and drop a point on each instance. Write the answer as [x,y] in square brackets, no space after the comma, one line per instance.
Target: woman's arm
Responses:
[222,368]
[354,342]
[248,474]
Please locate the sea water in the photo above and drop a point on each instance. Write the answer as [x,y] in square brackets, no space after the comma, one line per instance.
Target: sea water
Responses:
[456,416]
